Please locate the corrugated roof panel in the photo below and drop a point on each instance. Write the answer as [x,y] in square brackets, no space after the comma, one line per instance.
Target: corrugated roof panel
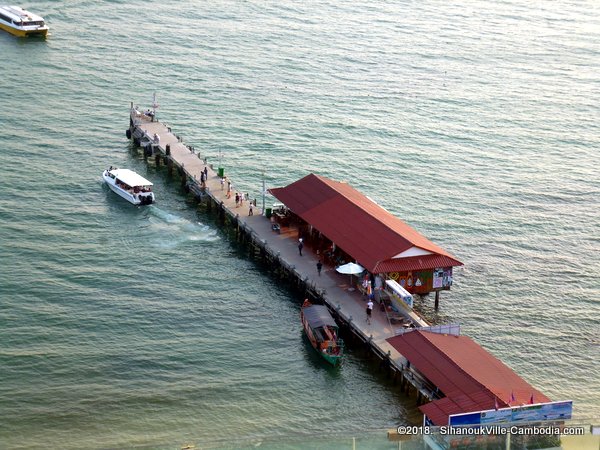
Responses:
[318,316]
[411,263]
[469,376]
[355,223]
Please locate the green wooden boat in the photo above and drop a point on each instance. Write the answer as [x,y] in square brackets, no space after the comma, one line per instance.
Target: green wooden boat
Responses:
[322,332]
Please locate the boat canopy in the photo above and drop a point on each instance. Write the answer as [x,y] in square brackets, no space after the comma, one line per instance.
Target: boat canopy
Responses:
[130,178]
[318,316]
[18,14]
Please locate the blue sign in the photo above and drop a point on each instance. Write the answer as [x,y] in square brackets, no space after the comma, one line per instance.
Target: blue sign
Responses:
[527,413]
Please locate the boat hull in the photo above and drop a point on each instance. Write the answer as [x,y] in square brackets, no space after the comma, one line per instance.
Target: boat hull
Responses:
[320,346]
[24,33]
[331,359]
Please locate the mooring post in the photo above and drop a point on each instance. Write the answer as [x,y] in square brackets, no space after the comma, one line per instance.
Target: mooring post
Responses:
[369,347]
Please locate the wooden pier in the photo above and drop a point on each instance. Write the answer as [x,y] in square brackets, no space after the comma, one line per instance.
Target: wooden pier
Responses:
[280,251]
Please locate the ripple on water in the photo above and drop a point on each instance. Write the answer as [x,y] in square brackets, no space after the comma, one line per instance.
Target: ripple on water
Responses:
[144,325]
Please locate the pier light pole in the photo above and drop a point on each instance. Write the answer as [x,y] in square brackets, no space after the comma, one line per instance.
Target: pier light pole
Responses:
[154,106]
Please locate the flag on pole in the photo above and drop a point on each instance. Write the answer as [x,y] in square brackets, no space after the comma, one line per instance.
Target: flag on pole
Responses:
[496,403]
[512,398]
[531,400]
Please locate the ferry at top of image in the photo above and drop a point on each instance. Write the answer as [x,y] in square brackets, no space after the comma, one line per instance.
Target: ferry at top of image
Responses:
[21,22]
[127,184]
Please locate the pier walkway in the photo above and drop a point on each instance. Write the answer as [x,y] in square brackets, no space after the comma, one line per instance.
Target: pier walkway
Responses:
[334,288]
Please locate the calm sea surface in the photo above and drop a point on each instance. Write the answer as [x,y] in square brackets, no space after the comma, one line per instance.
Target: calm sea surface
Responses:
[477,123]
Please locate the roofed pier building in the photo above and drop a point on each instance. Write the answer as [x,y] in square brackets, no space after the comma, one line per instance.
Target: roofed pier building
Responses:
[344,225]
[467,377]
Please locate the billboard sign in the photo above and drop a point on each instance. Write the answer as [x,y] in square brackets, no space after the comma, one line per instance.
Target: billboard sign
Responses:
[527,413]
[442,278]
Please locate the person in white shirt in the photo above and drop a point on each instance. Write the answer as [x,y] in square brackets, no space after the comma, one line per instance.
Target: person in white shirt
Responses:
[369,310]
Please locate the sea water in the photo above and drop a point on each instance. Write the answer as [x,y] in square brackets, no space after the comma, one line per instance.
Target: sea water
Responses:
[475,122]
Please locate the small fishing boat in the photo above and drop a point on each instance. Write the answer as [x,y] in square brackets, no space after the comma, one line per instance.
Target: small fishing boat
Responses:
[132,187]
[322,332]
[20,22]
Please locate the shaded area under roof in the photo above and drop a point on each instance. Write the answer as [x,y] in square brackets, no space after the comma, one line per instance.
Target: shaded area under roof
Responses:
[471,378]
[356,224]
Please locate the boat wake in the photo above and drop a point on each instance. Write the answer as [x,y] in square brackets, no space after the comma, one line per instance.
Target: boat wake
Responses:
[176,230]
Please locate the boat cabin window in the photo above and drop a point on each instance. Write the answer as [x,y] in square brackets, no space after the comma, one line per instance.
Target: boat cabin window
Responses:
[122,185]
[6,19]
[319,334]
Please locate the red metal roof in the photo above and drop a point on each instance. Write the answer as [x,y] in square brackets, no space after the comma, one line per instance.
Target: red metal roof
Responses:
[356,224]
[415,263]
[469,376]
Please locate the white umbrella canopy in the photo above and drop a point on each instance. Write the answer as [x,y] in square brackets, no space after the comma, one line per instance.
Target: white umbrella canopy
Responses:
[351,269]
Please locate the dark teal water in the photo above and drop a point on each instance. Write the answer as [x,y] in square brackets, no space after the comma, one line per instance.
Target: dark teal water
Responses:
[478,124]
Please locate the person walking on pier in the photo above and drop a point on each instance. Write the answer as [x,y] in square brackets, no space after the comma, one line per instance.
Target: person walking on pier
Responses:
[300,246]
[250,211]
[237,199]
[369,311]
[205,173]
[319,267]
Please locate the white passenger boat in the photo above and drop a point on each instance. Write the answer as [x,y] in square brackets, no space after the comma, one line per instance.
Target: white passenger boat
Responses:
[132,187]
[20,22]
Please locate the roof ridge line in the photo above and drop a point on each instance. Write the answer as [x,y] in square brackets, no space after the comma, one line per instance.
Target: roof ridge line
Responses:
[328,180]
